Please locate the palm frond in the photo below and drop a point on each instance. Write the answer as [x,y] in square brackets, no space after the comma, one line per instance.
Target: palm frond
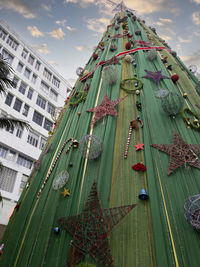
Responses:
[8,123]
[5,70]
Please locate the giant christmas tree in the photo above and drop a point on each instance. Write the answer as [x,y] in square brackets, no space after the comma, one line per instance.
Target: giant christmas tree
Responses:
[118,181]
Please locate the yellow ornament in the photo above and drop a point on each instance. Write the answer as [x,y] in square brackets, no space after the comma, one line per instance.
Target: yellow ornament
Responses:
[65,192]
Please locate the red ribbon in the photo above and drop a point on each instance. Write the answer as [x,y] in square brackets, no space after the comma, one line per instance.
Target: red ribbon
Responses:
[124,53]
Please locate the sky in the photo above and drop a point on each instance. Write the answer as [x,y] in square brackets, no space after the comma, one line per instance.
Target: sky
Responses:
[65,32]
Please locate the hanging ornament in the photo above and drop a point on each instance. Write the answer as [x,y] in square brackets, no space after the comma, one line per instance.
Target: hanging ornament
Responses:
[192,211]
[133,125]
[139,167]
[128,45]
[90,146]
[133,83]
[95,56]
[161,93]
[56,230]
[60,180]
[143,195]
[113,47]
[79,71]
[86,72]
[152,55]
[174,78]
[110,74]
[172,103]
[139,146]
[128,58]
[138,32]
[55,114]
[116,27]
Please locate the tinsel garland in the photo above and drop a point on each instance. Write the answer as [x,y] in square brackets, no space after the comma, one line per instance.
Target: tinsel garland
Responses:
[77,98]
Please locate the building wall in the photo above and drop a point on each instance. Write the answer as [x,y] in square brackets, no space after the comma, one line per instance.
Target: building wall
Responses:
[37,90]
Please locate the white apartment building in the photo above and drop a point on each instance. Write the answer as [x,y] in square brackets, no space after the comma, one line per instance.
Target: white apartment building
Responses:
[37,90]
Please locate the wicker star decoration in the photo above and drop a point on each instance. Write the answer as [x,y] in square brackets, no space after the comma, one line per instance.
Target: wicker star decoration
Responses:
[142,43]
[90,230]
[113,60]
[107,107]
[180,153]
[156,76]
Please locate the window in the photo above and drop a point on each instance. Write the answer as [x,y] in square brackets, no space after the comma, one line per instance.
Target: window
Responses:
[53,95]
[18,104]
[30,93]
[11,155]
[44,87]
[15,82]
[9,99]
[41,102]
[24,53]
[33,139]
[7,179]
[56,82]
[3,152]
[47,74]
[20,67]
[19,133]
[50,108]
[37,65]
[31,59]
[25,110]
[22,88]
[25,162]
[3,34]
[7,56]
[42,142]
[48,125]
[12,43]
[37,118]
[10,129]
[34,78]
[23,183]
[27,73]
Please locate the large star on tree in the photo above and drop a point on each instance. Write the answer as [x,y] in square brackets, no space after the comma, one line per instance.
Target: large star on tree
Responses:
[107,107]
[142,43]
[156,76]
[90,230]
[180,153]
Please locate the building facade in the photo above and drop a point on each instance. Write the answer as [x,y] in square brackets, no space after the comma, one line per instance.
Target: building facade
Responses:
[37,91]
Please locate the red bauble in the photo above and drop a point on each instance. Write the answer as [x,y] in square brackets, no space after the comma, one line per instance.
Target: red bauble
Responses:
[95,56]
[175,77]
[128,45]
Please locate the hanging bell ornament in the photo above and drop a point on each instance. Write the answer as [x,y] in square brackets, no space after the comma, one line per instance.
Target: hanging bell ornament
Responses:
[196,121]
[56,230]
[79,113]
[137,92]
[143,194]
[75,143]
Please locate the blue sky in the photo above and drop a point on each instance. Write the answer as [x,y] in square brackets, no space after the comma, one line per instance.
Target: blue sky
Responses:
[64,32]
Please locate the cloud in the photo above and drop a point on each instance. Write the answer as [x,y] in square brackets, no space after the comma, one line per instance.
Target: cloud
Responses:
[98,25]
[181,40]
[61,22]
[34,31]
[195,1]
[57,34]
[166,20]
[83,3]
[54,63]
[45,7]
[169,30]
[42,49]
[196,18]
[71,29]
[165,37]
[25,8]
[193,59]
[82,47]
